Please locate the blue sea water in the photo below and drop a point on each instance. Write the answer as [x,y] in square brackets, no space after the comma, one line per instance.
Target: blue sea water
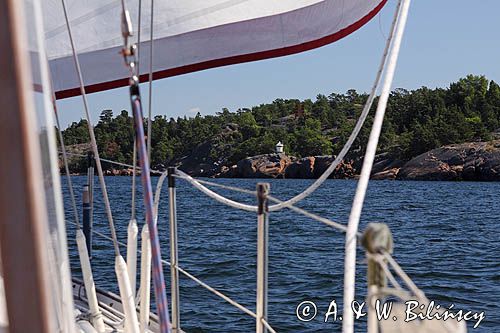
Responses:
[446,237]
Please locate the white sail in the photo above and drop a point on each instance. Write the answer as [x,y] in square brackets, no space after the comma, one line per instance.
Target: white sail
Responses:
[191,35]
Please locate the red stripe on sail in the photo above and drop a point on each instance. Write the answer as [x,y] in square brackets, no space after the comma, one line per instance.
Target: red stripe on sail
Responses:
[229,60]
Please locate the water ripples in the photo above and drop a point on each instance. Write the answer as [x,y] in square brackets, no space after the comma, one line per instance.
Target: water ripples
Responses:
[445,234]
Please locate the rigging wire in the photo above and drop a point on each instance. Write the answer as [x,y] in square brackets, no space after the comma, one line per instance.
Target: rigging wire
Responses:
[114,162]
[134,149]
[378,258]
[313,216]
[139,26]
[65,161]
[266,324]
[91,133]
[150,101]
[158,275]
[129,55]
[134,173]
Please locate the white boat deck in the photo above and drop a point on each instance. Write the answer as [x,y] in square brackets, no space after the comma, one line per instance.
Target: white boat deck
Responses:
[111,309]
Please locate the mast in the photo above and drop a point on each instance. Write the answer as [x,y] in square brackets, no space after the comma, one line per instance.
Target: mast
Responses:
[23,215]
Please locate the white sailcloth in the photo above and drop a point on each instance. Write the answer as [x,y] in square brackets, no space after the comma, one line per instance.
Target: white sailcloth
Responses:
[191,35]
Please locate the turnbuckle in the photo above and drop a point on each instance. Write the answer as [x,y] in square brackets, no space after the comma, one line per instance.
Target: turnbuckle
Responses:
[129,50]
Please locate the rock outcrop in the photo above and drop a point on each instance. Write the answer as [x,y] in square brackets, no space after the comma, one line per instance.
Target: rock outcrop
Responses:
[209,159]
[466,161]
[315,166]
[260,166]
[385,167]
[302,168]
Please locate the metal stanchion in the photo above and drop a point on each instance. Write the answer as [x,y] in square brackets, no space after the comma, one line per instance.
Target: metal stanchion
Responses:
[86,223]
[262,254]
[174,273]
[88,203]
[376,238]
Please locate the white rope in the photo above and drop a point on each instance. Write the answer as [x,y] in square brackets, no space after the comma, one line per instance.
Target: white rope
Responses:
[313,216]
[216,196]
[159,187]
[359,124]
[352,228]
[313,187]
[226,187]
[92,134]
[150,79]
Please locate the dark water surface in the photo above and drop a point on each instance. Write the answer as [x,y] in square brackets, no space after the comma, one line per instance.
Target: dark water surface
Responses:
[446,238]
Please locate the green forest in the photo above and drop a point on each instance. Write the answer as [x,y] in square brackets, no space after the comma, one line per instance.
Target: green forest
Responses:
[416,121]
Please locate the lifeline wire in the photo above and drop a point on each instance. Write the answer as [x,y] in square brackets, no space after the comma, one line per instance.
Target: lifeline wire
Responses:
[194,278]
[271,198]
[92,134]
[407,280]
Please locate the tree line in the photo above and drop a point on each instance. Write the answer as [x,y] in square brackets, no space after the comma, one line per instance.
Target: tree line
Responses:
[416,121]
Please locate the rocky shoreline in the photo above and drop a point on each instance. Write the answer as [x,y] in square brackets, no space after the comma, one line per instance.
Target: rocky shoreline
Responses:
[473,161]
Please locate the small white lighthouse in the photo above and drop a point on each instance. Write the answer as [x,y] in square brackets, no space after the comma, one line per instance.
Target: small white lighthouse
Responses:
[279,148]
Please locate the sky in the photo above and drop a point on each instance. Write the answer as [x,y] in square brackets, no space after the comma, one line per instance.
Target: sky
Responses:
[444,41]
